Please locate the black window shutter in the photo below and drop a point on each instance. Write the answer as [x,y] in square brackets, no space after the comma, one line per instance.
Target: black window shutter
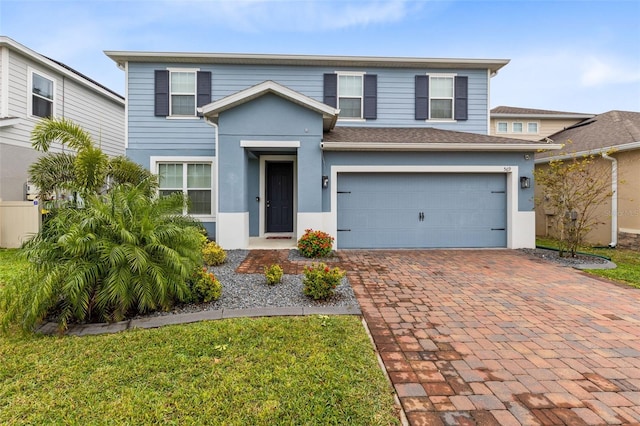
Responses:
[161,92]
[331,90]
[203,89]
[461,101]
[370,96]
[422,97]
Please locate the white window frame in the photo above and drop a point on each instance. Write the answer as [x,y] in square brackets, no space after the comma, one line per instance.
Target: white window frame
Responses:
[506,127]
[30,93]
[351,74]
[513,127]
[452,98]
[537,127]
[195,94]
[154,165]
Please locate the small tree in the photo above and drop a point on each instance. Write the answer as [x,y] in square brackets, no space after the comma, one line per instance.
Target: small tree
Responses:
[573,190]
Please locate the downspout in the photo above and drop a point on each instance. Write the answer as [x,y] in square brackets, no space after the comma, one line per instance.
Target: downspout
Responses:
[215,147]
[614,200]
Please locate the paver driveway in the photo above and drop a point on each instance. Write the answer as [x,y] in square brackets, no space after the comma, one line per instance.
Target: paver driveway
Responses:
[498,337]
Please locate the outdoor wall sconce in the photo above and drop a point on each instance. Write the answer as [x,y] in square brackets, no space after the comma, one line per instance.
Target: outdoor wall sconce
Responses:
[525,182]
[325,181]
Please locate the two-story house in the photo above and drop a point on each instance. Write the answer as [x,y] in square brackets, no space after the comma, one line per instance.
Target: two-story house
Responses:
[33,86]
[376,151]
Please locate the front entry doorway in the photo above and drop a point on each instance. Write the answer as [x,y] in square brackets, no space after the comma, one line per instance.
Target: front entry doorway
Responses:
[279,196]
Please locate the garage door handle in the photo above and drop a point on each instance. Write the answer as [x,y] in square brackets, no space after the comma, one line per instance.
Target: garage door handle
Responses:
[498,229]
[421,216]
[344,230]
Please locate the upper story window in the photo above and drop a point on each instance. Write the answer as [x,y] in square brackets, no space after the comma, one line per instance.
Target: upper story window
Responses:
[179,92]
[42,95]
[502,127]
[441,97]
[516,127]
[532,127]
[183,93]
[354,93]
[350,95]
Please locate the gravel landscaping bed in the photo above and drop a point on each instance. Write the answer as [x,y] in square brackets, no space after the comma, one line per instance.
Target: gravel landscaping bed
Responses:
[581,261]
[244,291]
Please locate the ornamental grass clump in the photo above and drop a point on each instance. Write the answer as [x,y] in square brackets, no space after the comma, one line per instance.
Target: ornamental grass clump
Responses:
[319,280]
[315,244]
[273,274]
[213,254]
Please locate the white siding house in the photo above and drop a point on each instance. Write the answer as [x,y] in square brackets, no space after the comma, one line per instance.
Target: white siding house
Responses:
[33,86]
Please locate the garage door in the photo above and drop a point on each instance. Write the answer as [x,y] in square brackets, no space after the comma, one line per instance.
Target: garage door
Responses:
[412,210]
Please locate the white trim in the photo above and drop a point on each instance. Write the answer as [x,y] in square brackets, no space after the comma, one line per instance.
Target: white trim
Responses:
[498,123]
[193,71]
[488,100]
[126,106]
[8,122]
[154,160]
[316,60]
[4,82]
[452,76]
[520,227]
[54,101]
[232,230]
[351,74]
[269,144]
[444,146]
[263,190]
[513,129]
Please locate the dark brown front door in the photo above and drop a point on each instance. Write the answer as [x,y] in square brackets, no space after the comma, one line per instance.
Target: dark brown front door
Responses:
[279,197]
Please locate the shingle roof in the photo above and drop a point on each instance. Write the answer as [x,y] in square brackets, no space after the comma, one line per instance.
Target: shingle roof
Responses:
[424,135]
[611,129]
[509,110]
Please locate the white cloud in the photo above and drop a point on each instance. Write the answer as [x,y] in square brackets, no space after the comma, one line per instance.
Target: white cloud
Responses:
[598,71]
[292,15]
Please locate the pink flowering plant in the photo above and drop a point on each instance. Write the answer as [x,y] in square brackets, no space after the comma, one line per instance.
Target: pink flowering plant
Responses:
[315,244]
[319,280]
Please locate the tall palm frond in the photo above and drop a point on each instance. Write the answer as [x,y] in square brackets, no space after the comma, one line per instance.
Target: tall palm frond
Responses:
[123,170]
[62,130]
[53,173]
[90,168]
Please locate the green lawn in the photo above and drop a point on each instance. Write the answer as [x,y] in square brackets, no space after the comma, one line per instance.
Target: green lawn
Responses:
[628,261]
[260,371]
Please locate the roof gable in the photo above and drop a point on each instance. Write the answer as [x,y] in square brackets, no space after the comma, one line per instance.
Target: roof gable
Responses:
[329,114]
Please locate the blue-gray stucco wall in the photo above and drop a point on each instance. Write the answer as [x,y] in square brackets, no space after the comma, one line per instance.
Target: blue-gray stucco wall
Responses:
[267,118]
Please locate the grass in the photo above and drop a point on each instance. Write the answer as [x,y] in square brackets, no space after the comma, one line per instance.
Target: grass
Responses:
[258,371]
[628,262]
[11,264]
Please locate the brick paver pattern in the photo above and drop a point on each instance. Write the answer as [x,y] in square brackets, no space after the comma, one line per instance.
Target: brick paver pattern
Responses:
[498,337]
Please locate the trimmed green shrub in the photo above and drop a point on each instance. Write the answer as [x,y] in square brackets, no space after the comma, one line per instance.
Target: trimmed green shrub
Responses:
[315,244]
[205,287]
[213,254]
[273,274]
[319,280]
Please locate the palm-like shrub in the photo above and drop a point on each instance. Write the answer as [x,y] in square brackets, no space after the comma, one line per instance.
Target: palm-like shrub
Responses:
[123,253]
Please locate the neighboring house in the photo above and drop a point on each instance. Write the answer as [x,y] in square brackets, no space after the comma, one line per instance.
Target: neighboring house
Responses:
[33,86]
[618,134]
[376,151]
[531,124]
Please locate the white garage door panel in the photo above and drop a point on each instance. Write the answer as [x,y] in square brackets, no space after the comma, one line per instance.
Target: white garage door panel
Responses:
[393,210]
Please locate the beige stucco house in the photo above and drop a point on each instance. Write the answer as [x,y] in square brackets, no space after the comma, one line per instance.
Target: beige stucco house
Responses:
[531,124]
[618,134]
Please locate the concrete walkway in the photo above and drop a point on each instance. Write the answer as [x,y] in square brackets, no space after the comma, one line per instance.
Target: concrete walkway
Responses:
[492,337]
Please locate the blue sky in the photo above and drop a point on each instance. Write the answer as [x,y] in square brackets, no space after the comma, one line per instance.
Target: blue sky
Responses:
[566,55]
